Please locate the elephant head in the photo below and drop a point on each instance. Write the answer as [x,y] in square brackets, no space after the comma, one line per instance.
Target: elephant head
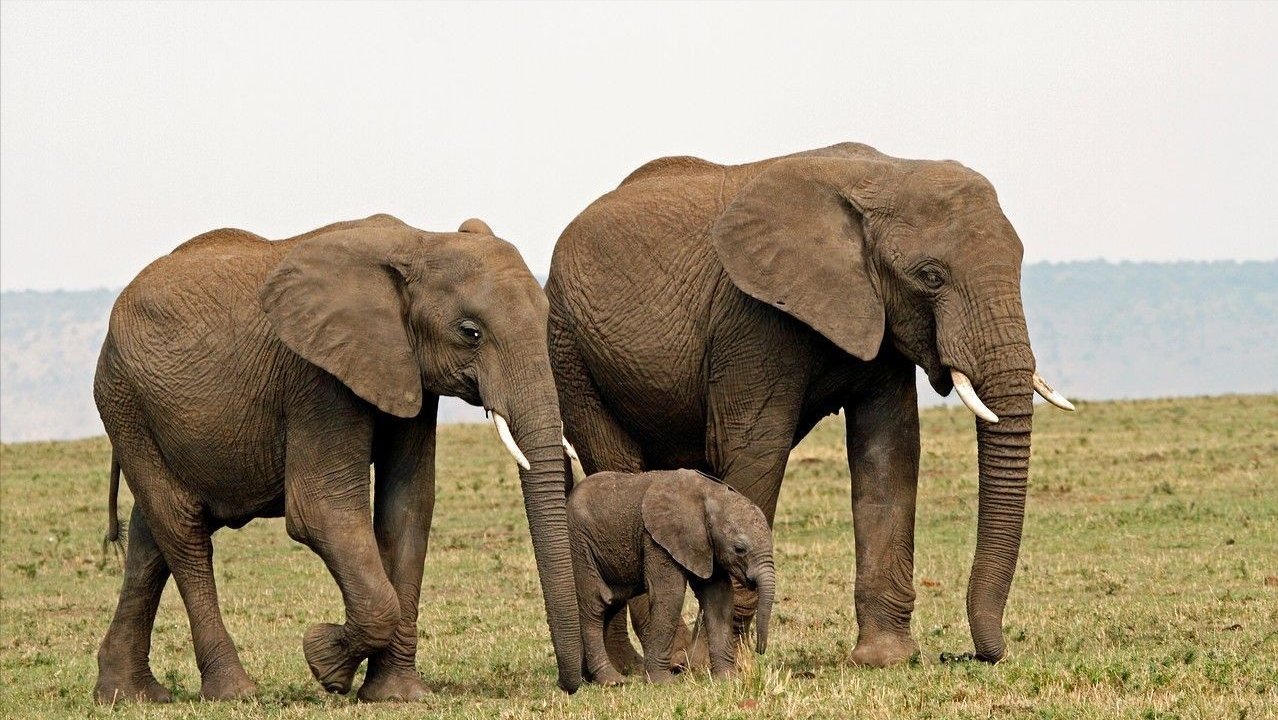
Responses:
[705,524]
[394,312]
[866,249]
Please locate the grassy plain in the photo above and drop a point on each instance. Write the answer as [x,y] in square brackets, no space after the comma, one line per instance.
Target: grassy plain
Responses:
[1148,586]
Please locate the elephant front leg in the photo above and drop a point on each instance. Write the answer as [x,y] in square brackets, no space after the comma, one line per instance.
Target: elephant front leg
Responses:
[666,586]
[327,509]
[883,454]
[334,652]
[716,599]
[688,652]
[404,464]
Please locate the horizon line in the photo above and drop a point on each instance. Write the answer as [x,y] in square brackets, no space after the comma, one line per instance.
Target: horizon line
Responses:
[541,277]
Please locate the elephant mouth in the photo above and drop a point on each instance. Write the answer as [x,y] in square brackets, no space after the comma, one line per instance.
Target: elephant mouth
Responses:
[963,385]
[512,446]
[939,378]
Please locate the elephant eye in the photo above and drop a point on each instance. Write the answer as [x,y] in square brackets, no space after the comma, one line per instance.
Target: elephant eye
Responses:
[470,331]
[739,549]
[932,278]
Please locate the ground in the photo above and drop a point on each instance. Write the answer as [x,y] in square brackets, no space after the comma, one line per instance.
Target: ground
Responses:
[1148,586]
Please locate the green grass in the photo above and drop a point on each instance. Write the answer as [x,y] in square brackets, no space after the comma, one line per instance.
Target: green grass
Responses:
[1148,586]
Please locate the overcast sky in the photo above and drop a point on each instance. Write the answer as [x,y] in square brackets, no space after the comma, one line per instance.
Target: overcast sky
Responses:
[1127,132]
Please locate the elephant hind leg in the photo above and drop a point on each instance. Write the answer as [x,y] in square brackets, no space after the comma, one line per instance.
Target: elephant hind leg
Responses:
[124,668]
[602,444]
[595,618]
[168,518]
[175,518]
[621,651]
[594,431]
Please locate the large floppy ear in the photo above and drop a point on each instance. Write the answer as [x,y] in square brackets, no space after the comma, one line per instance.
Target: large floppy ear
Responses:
[795,238]
[674,515]
[335,300]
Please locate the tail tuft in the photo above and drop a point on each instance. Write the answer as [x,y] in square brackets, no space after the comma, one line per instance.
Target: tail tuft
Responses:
[116,543]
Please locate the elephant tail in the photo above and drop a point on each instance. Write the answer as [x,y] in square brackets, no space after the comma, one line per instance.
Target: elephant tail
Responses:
[115,533]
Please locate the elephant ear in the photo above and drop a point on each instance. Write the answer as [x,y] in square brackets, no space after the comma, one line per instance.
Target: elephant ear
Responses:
[475,226]
[795,238]
[674,515]
[335,300]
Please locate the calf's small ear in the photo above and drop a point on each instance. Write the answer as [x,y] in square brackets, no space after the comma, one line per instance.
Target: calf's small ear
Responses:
[674,514]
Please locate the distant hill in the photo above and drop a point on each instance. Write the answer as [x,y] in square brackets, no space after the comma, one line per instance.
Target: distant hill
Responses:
[1099,330]
[1139,330]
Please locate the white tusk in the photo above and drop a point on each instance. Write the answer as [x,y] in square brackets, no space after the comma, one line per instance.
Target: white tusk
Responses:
[970,398]
[503,432]
[568,446]
[570,449]
[1042,388]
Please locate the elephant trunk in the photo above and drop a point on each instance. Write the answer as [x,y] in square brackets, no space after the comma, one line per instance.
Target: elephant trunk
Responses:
[1003,452]
[534,425]
[986,346]
[765,579]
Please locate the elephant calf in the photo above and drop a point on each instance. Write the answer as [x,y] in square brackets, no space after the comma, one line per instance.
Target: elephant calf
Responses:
[653,533]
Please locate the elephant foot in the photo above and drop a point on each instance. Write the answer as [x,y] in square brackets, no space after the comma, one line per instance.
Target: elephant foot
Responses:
[231,683]
[689,653]
[624,657]
[143,688]
[393,685]
[883,649]
[608,677]
[328,655]
[725,672]
[659,677]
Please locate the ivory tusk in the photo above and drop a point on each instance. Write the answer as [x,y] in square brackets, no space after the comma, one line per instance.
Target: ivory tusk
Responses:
[1042,388]
[568,448]
[969,397]
[503,432]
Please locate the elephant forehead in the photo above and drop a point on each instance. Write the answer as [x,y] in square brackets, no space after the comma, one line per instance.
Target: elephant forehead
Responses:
[464,255]
[938,191]
[508,294]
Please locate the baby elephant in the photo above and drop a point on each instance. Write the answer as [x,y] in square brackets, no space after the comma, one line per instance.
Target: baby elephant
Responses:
[651,533]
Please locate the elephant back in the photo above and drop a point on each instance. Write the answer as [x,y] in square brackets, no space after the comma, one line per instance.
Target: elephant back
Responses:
[673,166]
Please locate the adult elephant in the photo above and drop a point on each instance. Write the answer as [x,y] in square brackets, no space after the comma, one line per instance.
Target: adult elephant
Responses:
[707,316]
[243,378]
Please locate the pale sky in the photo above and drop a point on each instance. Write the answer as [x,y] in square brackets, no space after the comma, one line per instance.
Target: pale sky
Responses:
[1125,132]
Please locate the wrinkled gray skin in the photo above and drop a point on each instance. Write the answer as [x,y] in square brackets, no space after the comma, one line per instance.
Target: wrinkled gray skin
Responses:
[243,378]
[707,316]
[657,533]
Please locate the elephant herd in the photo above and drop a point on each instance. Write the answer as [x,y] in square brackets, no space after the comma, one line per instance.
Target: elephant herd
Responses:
[699,317]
